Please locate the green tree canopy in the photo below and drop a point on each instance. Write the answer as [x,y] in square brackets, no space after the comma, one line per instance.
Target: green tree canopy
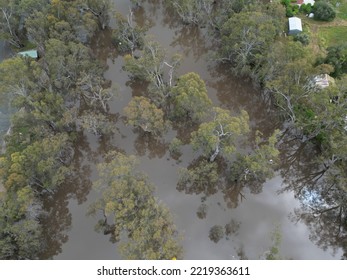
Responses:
[257,165]
[41,165]
[245,39]
[10,16]
[20,231]
[128,36]
[141,113]
[192,11]
[221,134]
[337,57]
[202,178]
[131,211]
[323,11]
[154,67]
[189,98]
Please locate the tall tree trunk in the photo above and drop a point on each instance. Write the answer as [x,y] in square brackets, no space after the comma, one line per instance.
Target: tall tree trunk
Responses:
[215,154]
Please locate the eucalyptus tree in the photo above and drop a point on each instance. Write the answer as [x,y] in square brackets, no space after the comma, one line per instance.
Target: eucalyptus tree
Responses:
[257,165]
[101,9]
[67,65]
[155,67]
[95,91]
[96,123]
[288,82]
[10,22]
[15,77]
[13,14]
[140,112]
[131,213]
[200,178]
[128,36]
[245,39]
[63,20]
[189,98]
[192,11]
[20,230]
[220,134]
[42,165]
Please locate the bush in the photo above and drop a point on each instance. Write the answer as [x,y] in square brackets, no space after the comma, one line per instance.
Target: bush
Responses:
[285,2]
[337,57]
[292,10]
[306,8]
[175,146]
[216,233]
[289,12]
[303,38]
[323,11]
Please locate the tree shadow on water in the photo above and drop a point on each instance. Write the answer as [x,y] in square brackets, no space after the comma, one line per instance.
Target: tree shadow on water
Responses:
[323,199]
[57,219]
[148,144]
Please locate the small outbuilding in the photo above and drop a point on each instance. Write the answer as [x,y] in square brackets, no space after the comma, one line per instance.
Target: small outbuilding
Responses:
[295,25]
[323,81]
[30,53]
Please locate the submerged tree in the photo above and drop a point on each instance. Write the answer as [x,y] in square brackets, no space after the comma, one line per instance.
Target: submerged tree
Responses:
[100,9]
[220,135]
[190,99]
[202,178]
[141,113]
[192,11]
[245,39]
[131,212]
[216,233]
[94,90]
[154,67]
[96,123]
[128,36]
[257,165]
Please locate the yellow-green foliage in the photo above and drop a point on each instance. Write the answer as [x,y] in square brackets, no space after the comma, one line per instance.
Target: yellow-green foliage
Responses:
[143,225]
[190,98]
[221,133]
[142,113]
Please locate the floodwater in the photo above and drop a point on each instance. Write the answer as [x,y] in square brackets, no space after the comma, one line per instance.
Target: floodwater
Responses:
[5,108]
[250,214]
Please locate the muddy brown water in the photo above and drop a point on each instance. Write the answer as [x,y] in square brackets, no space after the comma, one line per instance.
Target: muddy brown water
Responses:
[70,233]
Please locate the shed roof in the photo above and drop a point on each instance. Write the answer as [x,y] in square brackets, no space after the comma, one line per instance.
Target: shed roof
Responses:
[295,24]
[30,53]
[300,2]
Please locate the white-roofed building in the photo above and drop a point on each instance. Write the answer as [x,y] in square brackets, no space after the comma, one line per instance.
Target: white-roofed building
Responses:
[295,25]
[300,2]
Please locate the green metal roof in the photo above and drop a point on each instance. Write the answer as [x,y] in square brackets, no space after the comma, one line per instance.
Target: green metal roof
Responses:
[30,53]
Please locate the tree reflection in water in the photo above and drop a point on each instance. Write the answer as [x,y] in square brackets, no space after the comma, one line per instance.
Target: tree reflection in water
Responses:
[56,222]
[207,179]
[146,142]
[320,192]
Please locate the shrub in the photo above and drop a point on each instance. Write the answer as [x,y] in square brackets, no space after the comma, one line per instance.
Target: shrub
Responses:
[323,11]
[175,146]
[303,38]
[305,8]
[289,12]
[337,57]
[292,10]
[285,2]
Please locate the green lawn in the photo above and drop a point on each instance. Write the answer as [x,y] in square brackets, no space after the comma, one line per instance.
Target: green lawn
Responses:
[333,35]
[342,10]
